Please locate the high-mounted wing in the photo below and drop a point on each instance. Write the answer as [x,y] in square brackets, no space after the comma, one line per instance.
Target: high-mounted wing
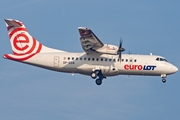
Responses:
[89,41]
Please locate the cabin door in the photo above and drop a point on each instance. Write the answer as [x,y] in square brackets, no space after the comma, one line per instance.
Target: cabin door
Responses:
[56,61]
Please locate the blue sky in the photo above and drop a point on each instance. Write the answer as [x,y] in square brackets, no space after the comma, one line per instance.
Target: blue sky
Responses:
[32,93]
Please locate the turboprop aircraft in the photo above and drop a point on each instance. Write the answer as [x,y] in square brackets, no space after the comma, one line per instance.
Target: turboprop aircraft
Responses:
[98,60]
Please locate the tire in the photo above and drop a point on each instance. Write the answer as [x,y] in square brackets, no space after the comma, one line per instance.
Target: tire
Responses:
[98,81]
[93,75]
[164,80]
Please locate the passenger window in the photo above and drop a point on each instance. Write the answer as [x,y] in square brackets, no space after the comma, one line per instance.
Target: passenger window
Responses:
[135,60]
[97,59]
[89,59]
[122,60]
[114,60]
[105,59]
[101,59]
[84,58]
[109,60]
[92,59]
[68,58]
[80,58]
[72,58]
[76,58]
[126,60]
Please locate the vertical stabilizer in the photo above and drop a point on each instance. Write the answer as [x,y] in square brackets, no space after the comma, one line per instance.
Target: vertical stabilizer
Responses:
[22,43]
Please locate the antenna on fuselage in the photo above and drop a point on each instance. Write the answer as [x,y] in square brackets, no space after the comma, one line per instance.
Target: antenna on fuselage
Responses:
[130,52]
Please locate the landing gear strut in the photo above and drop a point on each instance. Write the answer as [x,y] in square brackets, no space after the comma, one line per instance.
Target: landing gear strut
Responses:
[98,74]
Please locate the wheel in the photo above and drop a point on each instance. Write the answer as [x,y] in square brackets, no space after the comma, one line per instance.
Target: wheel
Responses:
[164,80]
[98,81]
[94,75]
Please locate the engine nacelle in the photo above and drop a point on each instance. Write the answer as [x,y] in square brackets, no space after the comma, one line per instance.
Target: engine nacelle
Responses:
[108,49]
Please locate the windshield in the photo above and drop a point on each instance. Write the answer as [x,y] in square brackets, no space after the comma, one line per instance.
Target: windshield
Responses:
[161,59]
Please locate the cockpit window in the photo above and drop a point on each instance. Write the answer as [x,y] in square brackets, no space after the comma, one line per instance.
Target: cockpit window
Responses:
[157,59]
[165,60]
[161,59]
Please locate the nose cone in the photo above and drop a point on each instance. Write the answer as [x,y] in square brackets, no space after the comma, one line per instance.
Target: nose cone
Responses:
[174,69]
[171,69]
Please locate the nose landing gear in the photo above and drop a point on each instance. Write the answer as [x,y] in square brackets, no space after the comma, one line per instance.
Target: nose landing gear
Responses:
[164,78]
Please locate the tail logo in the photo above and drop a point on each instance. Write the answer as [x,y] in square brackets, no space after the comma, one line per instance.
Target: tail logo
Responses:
[22,42]
[24,46]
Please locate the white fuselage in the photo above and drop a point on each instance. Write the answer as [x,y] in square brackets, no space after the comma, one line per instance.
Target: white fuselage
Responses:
[109,64]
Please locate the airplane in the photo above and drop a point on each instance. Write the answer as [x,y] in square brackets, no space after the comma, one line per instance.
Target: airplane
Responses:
[98,60]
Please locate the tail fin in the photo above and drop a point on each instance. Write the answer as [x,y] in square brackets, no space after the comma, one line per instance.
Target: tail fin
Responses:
[22,42]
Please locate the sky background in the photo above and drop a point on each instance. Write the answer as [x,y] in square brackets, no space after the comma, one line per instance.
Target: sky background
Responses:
[31,93]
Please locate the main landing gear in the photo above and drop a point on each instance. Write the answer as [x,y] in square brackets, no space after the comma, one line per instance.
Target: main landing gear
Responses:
[97,73]
[164,78]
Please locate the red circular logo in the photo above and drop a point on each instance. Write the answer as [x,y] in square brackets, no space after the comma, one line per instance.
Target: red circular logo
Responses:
[23,44]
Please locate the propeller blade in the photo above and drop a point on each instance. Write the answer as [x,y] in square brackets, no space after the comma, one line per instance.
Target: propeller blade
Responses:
[120,56]
[120,49]
[121,42]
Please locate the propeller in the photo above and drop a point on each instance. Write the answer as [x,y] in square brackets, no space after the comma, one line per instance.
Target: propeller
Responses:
[120,49]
